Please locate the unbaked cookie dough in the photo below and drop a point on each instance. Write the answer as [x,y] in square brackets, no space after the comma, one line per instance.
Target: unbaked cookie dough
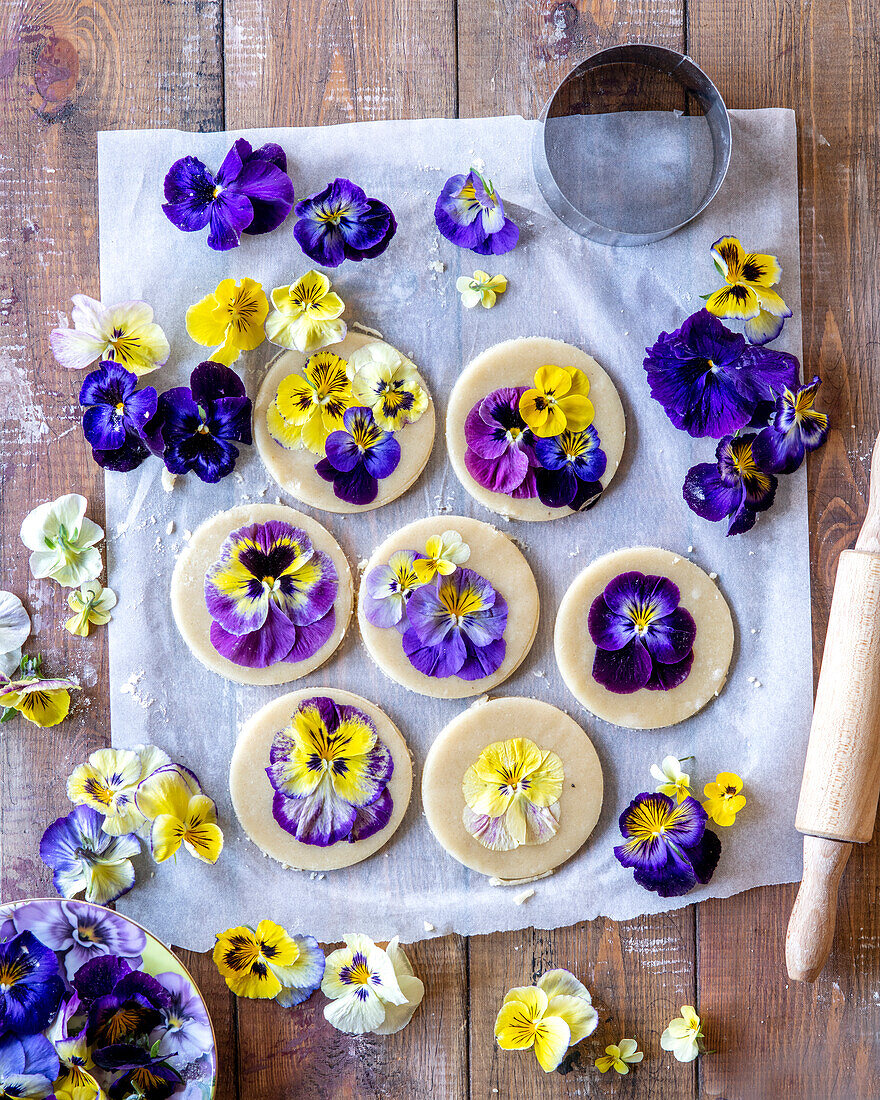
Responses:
[295,470]
[191,611]
[252,792]
[712,647]
[513,363]
[494,557]
[459,746]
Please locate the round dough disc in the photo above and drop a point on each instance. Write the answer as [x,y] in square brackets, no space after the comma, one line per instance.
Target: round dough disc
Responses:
[713,647]
[494,557]
[188,592]
[252,792]
[459,745]
[514,363]
[295,470]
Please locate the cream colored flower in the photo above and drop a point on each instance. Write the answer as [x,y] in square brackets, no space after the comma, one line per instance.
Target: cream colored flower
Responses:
[91,604]
[62,541]
[683,1035]
[620,1056]
[672,780]
[482,290]
[306,315]
[387,382]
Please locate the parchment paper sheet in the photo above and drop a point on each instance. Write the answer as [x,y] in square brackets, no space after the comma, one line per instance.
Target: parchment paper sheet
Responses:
[612,302]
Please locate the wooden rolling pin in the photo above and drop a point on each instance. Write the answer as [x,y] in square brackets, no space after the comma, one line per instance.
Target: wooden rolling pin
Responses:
[839,792]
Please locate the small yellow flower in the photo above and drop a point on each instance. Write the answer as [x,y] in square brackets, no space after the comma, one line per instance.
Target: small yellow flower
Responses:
[672,780]
[232,317]
[620,1056]
[172,800]
[306,315]
[558,401]
[483,289]
[683,1035]
[443,553]
[248,959]
[550,1017]
[747,293]
[91,604]
[309,406]
[723,800]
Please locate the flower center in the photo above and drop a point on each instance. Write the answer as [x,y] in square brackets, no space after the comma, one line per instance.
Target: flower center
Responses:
[203,429]
[272,584]
[641,615]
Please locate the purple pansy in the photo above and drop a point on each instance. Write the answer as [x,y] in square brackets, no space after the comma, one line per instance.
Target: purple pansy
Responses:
[196,427]
[358,456]
[469,213]
[116,413]
[571,465]
[389,588]
[122,1005]
[185,1031]
[500,452]
[667,844]
[456,627]
[251,193]
[341,223]
[735,487]
[84,858]
[794,427]
[143,1077]
[270,595]
[643,638]
[709,379]
[30,985]
[28,1066]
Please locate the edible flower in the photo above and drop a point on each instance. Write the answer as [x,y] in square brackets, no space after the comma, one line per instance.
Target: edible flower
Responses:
[148,1079]
[442,554]
[180,813]
[341,223]
[330,772]
[734,487]
[43,702]
[28,1066]
[251,193]
[456,627]
[643,638]
[512,795]
[185,1030]
[196,427]
[91,604]
[620,1056]
[76,1080]
[108,781]
[795,427]
[747,293]
[270,595]
[15,628]
[469,212]
[125,334]
[370,990]
[483,289]
[683,1035]
[306,314]
[85,858]
[268,962]
[500,452]
[30,985]
[115,416]
[571,465]
[230,320]
[709,380]
[668,845]
[550,1017]
[723,798]
[672,780]
[122,1005]
[387,383]
[62,541]
[358,456]
[558,401]
[388,589]
[308,407]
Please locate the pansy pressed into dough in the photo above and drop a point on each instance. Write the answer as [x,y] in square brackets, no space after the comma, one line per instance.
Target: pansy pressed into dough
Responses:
[512,795]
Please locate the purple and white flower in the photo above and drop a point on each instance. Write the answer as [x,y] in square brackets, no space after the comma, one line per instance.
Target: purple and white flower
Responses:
[28,1066]
[84,858]
[389,588]
[116,413]
[500,452]
[358,457]
[733,488]
[341,223]
[469,213]
[185,1030]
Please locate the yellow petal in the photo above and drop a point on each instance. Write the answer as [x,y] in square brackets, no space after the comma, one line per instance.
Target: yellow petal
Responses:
[552,1040]
[554,422]
[166,836]
[580,384]
[282,431]
[729,780]
[772,303]
[730,254]
[311,287]
[553,380]
[202,836]
[579,1014]
[738,302]
[761,270]
[206,322]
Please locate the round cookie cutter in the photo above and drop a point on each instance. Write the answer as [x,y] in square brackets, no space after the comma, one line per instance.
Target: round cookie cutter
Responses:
[620,156]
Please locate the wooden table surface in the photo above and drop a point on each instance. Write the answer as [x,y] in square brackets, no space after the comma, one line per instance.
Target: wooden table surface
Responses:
[69,68]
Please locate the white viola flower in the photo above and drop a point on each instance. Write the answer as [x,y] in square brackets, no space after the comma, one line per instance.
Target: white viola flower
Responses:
[413,988]
[91,604]
[62,541]
[672,781]
[683,1035]
[15,626]
[362,984]
[125,334]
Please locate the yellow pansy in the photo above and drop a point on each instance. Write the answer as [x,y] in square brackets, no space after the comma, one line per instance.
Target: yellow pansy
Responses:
[483,289]
[387,382]
[723,798]
[672,780]
[550,1017]
[747,294]
[91,604]
[232,318]
[306,314]
[247,959]
[620,1056]
[43,702]
[558,402]
[309,406]
[683,1035]
[172,800]
[442,554]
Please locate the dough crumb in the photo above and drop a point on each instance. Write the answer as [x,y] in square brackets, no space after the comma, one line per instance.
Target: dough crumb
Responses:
[690,549]
[539,673]
[168,480]
[438,266]
[758,683]
[751,679]
[522,898]
[713,576]
[676,560]
[428,926]
[187,534]
[754,631]
[362,564]
[169,530]
[366,328]
[481,701]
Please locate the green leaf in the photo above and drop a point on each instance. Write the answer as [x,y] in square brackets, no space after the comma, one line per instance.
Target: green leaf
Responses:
[7,714]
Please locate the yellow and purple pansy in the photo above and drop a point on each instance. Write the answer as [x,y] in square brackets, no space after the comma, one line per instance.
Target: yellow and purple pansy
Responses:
[747,294]
[267,962]
[341,223]
[388,589]
[558,401]
[270,595]
[387,382]
[667,844]
[469,212]
[308,407]
[794,428]
[734,487]
[330,772]
[571,465]
[358,456]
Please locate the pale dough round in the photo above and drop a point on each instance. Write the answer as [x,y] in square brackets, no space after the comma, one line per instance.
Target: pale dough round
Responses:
[252,792]
[494,557]
[188,592]
[713,646]
[458,747]
[295,470]
[514,363]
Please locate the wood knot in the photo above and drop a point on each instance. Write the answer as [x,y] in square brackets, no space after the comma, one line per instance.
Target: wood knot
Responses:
[55,75]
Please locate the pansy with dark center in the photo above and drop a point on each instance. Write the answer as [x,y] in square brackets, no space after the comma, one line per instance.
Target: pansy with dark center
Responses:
[271,595]
[358,456]
[643,638]
[469,213]
[116,412]
[667,844]
[28,1067]
[500,452]
[122,1005]
[571,465]
[735,487]
[143,1078]
[85,859]
[341,223]
[389,588]
[794,428]
[30,985]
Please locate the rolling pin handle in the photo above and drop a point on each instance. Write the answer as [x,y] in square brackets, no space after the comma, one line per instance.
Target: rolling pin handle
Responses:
[811,925]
